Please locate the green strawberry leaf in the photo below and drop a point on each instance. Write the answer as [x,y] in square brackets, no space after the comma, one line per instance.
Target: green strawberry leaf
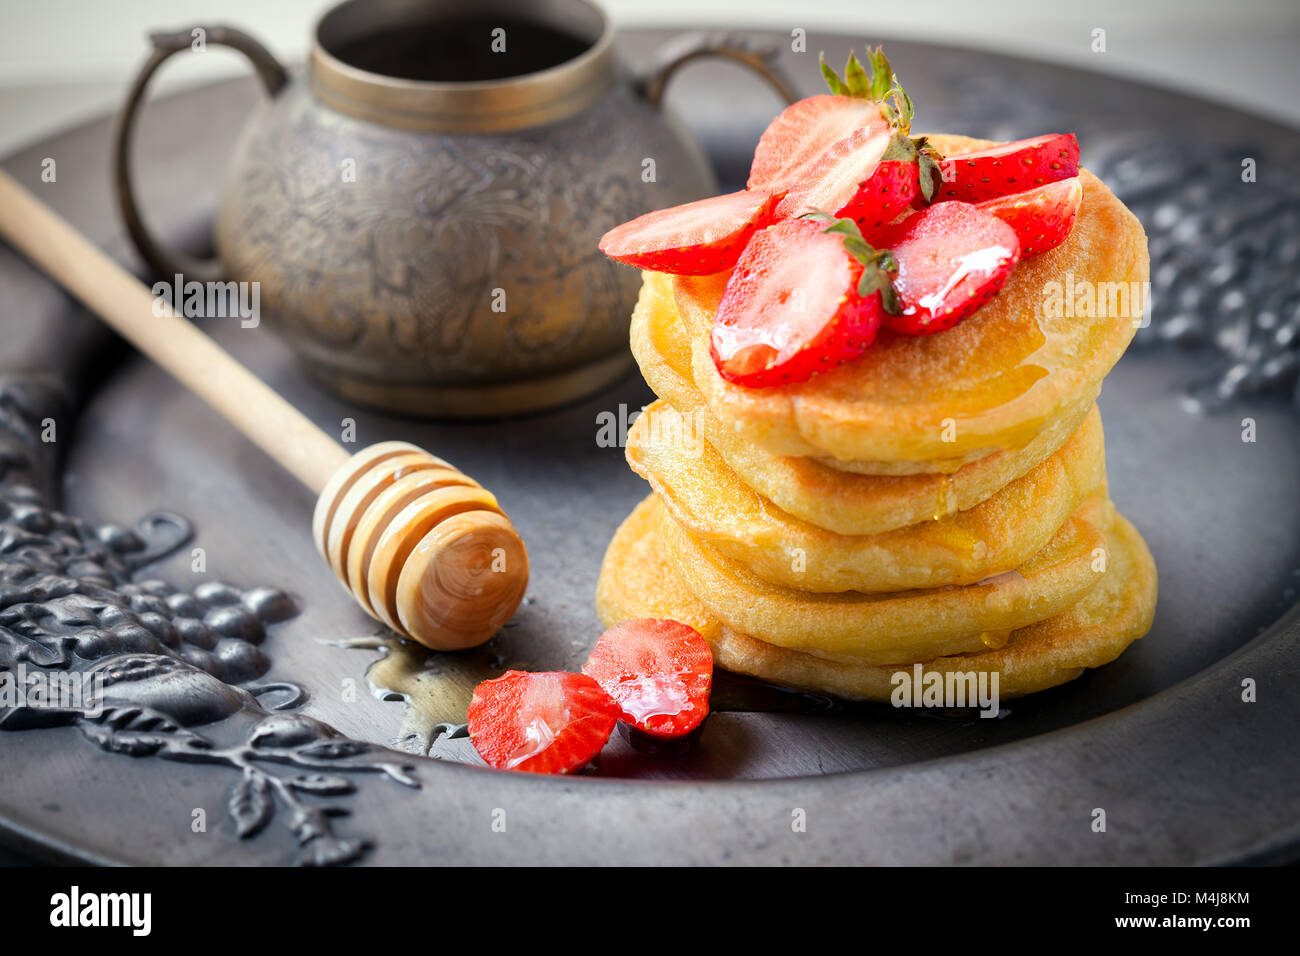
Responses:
[901,148]
[860,85]
[927,160]
[833,80]
[882,75]
[878,265]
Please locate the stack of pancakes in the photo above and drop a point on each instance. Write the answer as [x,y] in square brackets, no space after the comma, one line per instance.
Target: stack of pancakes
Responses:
[941,500]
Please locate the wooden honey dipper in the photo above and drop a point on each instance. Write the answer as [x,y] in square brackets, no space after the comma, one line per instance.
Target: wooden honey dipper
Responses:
[423,547]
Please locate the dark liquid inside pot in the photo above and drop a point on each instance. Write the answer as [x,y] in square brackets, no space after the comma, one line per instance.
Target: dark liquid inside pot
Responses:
[461,50]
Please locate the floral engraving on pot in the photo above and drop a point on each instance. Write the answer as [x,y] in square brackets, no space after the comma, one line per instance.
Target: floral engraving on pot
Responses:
[468,259]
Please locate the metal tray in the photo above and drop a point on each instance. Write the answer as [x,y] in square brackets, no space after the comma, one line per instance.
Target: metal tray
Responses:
[1186,771]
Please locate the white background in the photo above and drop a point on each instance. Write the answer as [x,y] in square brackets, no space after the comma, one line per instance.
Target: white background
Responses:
[64,60]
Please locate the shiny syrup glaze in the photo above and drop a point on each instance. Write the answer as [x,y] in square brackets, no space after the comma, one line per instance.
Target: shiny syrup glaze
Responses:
[436,687]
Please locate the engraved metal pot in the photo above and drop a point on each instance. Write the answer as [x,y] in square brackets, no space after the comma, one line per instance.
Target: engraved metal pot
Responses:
[431,247]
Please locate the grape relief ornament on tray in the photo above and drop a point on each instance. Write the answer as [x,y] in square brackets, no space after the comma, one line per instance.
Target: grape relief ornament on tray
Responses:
[138,666]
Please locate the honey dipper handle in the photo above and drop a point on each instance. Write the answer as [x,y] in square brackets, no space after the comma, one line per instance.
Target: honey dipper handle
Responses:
[198,363]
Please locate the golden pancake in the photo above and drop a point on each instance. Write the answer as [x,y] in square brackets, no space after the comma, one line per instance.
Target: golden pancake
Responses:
[805,488]
[638,580]
[900,625]
[999,534]
[991,382]
[935,466]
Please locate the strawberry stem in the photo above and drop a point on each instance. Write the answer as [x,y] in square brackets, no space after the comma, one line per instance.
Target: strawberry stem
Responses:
[881,86]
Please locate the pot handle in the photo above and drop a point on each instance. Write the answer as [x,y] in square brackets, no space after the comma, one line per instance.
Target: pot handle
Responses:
[165,44]
[679,51]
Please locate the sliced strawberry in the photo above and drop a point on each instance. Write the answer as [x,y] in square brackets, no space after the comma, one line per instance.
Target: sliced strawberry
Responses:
[1009,168]
[802,299]
[870,177]
[699,238]
[952,257]
[834,181]
[1042,217]
[659,672]
[803,131]
[550,722]
[866,100]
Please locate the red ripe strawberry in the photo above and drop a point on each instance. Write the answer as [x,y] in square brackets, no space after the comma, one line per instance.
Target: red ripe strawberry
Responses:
[803,131]
[895,185]
[659,672]
[1009,168]
[868,100]
[698,238]
[1042,217]
[550,722]
[802,299]
[870,177]
[834,180]
[952,258]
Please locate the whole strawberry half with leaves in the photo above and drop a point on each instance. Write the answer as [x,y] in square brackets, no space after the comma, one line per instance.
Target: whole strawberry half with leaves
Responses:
[807,295]
[869,175]
[849,152]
